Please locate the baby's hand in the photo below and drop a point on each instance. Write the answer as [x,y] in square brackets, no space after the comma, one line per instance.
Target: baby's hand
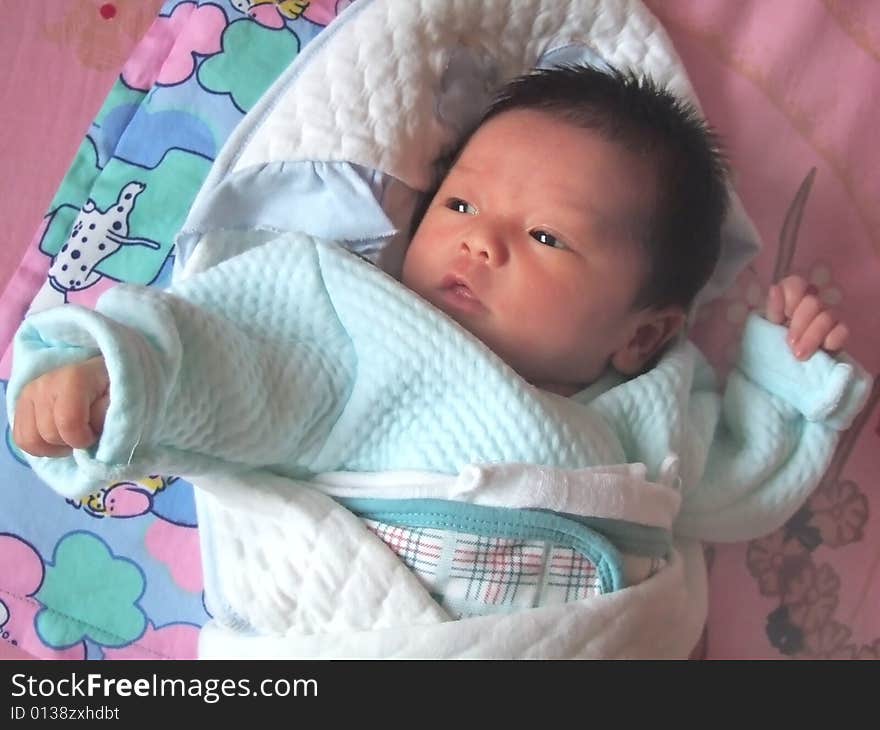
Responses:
[63,409]
[810,325]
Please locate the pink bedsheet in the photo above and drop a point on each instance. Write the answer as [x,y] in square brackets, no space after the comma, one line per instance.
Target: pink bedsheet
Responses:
[60,60]
[793,86]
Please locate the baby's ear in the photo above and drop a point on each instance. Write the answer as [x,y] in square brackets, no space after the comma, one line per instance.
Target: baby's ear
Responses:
[650,332]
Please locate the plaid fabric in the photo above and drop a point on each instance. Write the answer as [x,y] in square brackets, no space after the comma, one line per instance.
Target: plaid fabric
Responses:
[471,575]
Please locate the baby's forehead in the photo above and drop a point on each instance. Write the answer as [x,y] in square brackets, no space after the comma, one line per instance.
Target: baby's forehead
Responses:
[551,136]
[618,197]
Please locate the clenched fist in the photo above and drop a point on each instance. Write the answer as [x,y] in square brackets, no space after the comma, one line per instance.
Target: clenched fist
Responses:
[810,325]
[63,409]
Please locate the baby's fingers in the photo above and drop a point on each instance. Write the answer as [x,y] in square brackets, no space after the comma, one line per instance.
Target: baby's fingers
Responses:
[837,338]
[47,427]
[793,289]
[775,305]
[807,310]
[27,433]
[98,413]
[817,332]
[72,419]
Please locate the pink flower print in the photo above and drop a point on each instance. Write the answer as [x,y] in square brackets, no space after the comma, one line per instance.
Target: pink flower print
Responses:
[323,11]
[811,597]
[829,642]
[21,575]
[174,641]
[177,548]
[167,53]
[870,651]
[821,277]
[840,512]
[775,561]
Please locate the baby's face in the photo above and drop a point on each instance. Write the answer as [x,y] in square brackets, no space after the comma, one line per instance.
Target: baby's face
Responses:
[530,244]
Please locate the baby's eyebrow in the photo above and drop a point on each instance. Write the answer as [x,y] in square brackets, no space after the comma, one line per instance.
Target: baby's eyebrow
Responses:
[606,229]
[591,220]
[460,166]
[603,225]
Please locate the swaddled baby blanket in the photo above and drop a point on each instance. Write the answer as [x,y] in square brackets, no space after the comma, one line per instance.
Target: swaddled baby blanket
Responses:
[301,358]
[291,572]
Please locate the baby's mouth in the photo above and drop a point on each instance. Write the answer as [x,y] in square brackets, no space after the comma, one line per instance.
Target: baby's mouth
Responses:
[456,292]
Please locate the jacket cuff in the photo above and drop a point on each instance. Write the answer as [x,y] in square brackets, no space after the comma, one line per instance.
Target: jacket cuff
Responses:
[66,335]
[827,389]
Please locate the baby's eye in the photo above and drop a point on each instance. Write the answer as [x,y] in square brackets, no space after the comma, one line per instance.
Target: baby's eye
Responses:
[461,206]
[548,239]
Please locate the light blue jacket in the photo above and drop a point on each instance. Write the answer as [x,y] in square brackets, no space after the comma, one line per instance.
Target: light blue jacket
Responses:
[300,357]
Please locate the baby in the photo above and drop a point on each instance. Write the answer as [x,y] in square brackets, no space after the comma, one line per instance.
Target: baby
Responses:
[570,235]
[520,400]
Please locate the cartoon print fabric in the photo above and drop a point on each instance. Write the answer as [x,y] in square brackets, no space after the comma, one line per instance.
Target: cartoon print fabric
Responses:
[117,574]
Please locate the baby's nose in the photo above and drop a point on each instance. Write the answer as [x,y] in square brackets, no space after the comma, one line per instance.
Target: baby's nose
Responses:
[488,247]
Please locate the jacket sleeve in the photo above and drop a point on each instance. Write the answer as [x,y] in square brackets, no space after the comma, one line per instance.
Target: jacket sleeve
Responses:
[244,365]
[757,453]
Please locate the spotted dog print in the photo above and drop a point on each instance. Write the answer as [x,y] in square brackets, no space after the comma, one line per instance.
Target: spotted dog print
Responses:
[96,234]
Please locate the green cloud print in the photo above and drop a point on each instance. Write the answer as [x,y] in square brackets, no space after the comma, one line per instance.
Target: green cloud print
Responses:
[88,593]
[251,59]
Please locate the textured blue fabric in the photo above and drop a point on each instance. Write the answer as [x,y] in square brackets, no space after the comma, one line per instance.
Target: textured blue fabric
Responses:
[301,357]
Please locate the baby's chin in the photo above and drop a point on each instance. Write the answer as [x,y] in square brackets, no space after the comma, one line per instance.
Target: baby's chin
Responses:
[517,361]
[520,363]
[564,389]
[543,375]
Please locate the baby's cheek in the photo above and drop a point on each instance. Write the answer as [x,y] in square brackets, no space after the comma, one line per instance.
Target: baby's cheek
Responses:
[539,322]
[547,302]
[413,266]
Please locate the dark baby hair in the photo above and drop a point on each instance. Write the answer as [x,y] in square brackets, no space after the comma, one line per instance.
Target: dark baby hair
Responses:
[682,239]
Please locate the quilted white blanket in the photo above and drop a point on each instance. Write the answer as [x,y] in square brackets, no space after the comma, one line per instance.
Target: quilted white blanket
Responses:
[293,574]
